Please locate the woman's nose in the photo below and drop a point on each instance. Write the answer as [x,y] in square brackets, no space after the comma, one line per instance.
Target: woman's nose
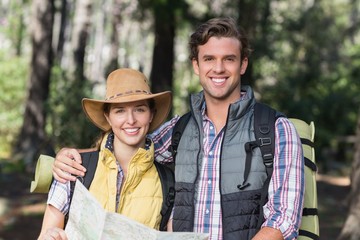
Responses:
[131,117]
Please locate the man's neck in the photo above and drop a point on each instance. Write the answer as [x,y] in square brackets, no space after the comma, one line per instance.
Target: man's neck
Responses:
[217,111]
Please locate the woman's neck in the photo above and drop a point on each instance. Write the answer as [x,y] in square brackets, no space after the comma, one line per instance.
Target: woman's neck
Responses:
[124,153]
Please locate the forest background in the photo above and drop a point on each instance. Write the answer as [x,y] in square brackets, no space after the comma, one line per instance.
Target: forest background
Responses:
[305,63]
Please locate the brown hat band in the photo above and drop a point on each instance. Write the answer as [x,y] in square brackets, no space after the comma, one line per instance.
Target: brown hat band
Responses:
[128,93]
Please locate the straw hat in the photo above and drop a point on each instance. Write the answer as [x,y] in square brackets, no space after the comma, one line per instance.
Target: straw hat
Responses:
[123,86]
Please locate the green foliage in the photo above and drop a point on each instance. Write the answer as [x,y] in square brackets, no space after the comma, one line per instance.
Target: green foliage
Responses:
[13,76]
[67,123]
[15,29]
[306,63]
[313,73]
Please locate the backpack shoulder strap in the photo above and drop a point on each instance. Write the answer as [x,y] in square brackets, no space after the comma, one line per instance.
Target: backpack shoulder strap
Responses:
[264,130]
[89,161]
[167,184]
[177,133]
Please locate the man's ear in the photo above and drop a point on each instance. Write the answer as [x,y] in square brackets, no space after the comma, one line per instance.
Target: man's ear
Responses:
[244,64]
[195,65]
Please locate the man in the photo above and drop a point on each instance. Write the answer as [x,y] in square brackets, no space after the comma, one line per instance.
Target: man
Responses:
[212,193]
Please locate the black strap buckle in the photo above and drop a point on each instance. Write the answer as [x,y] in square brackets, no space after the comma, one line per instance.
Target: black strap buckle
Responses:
[264,141]
[171,196]
[268,159]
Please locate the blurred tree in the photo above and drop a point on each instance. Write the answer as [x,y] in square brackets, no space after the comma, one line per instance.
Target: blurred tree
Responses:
[79,39]
[161,76]
[17,29]
[254,18]
[70,85]
[64,16]
[167,15]
[351,228]
[114,38]
[32,135]
[307,71]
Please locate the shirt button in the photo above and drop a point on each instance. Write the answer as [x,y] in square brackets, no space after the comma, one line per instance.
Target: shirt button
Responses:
[211,127]
[207,211]
[209,181]
[210,153]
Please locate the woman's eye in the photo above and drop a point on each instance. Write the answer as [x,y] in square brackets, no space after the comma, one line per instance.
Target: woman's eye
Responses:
[140,110]
[119,111]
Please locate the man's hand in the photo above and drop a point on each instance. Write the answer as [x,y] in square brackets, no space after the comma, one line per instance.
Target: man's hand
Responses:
[68,160]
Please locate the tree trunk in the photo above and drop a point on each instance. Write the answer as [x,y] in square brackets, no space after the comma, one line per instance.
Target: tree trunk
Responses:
[351,230]
[254,18]
[64,15]
[163,56]
[32,138]
[114,38]
[80,35]
[96,68]
[74,125]
[21,32]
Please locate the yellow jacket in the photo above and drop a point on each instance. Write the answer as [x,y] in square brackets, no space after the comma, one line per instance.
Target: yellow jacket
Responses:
[141,193]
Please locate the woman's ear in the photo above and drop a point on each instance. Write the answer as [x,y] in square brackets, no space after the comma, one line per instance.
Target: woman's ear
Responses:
[152,115]
[107,118]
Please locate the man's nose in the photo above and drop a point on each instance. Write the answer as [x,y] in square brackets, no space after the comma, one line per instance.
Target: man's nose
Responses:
[219,66]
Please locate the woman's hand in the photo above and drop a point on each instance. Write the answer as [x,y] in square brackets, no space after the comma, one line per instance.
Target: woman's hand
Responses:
[54,234]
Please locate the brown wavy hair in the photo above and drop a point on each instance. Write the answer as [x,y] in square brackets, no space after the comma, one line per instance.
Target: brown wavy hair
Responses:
[218,27]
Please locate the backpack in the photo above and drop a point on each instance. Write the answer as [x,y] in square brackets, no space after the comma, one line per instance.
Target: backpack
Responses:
[89,161]
[264,127]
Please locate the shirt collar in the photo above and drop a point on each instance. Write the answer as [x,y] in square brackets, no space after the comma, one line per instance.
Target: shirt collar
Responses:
[243,96]
[110,142]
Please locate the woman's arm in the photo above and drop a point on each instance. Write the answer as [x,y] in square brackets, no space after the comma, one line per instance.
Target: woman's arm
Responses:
[53,224]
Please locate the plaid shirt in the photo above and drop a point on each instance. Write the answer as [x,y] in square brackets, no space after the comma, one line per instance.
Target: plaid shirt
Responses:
[286,189]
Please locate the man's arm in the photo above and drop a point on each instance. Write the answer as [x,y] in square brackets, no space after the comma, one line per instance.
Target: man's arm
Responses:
[68,160]
[268,233]
[283,210]
[161,138]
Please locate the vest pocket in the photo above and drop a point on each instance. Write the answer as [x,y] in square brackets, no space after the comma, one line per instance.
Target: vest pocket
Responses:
[241,213]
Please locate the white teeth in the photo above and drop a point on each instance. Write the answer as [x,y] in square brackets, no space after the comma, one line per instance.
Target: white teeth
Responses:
[131,130]
[218,80]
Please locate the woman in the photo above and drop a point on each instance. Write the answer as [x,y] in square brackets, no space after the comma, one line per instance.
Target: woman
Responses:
[126,180]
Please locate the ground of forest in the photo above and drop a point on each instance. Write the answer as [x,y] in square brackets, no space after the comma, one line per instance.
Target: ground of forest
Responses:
[21,212]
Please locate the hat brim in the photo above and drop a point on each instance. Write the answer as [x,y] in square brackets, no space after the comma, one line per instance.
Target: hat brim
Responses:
[94,109]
